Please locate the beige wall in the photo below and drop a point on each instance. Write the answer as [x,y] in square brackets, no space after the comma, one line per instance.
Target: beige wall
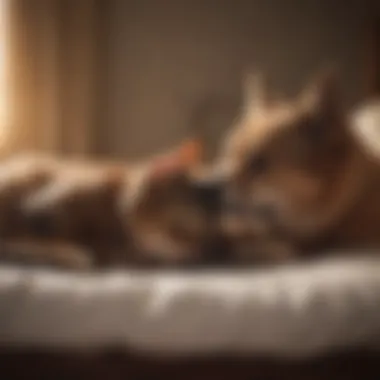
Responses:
[169,61]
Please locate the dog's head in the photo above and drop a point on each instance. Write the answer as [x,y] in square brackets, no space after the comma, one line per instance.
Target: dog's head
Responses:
[287,164]
[170,217]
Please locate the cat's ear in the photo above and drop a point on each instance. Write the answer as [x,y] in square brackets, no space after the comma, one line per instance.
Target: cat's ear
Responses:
[190,153]
[185,157]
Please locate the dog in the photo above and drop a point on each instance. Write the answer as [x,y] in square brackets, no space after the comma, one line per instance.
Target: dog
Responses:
[297,176]
[68,213]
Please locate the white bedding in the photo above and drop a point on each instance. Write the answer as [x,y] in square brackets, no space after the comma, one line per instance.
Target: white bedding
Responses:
[297,310]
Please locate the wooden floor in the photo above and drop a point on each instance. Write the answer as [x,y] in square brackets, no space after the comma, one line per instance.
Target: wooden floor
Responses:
[115,365]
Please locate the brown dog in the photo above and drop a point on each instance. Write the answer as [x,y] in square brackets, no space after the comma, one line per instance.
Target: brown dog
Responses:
[298,174]
[62,210]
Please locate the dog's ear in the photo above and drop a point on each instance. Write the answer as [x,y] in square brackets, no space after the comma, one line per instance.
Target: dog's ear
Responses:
[323,101]
[255,93]
[187,156]
[324,94]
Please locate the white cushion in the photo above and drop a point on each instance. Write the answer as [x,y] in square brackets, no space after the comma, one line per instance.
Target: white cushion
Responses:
[293,310]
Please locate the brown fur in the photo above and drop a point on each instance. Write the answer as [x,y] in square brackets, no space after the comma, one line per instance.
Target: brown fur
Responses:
[119,213]
[301,175]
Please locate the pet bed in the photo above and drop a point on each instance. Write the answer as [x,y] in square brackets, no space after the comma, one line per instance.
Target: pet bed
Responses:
[291,312]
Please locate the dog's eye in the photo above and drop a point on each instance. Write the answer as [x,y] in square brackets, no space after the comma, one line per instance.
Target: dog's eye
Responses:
[258,164]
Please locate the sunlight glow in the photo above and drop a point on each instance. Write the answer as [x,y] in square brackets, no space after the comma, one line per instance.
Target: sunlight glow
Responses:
[4,109]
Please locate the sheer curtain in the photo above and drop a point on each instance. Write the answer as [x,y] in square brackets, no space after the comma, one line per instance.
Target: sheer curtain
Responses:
[5,129]
[49,68]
